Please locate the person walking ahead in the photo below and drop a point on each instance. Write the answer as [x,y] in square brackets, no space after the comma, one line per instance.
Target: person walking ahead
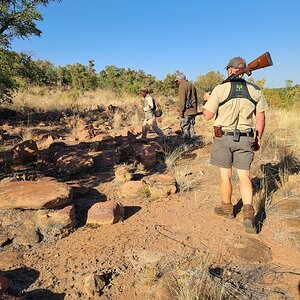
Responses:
[150,119]
[239,107]
[187,108]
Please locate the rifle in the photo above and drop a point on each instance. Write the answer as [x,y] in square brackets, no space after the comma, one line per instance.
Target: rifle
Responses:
[262,61]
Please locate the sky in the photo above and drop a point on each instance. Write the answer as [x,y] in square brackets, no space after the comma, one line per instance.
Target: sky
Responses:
[162,36]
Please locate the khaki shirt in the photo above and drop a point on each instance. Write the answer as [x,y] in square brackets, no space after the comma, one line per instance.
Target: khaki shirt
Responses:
[238,111]
[148,107]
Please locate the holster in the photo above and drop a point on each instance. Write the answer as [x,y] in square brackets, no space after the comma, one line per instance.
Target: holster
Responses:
[218,131]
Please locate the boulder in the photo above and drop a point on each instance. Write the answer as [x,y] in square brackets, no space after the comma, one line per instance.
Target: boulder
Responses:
[125,151]
[105,159]
[93,285]
[73,162]
[133,190]
[3,284]
[161,185]
[34,195]
[148,154]
[7,180]
[24,153]
[26,234]
[102,213]
[56,222]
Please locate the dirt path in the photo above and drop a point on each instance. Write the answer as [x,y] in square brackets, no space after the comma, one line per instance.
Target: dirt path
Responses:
[157,237]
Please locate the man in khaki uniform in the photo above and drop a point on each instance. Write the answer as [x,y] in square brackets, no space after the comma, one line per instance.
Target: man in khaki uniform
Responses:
[150,119]
[239,107]
[187,108]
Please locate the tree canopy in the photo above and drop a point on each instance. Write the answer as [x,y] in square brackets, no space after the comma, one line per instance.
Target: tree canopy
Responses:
[17,19]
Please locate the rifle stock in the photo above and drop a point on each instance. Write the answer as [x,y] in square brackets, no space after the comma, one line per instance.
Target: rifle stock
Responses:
[262,61]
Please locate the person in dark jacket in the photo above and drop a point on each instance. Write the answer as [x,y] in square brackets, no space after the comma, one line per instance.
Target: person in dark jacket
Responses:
[187,108]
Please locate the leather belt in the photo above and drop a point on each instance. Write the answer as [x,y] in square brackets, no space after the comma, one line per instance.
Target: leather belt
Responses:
[250,134]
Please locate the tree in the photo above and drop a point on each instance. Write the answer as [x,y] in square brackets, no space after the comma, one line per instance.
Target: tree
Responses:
[17,19]
[288,83]
[207,82]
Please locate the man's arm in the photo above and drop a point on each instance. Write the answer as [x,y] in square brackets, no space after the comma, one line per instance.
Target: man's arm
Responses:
[181,104]
[208,115]
[260,126]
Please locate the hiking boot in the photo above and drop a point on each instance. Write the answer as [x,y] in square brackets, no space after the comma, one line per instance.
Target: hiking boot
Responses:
[249,225]
[225,210]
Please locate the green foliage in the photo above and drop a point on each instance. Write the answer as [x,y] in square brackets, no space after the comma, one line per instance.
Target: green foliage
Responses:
[7,85]
[205,83]
[283,97]
[17,19]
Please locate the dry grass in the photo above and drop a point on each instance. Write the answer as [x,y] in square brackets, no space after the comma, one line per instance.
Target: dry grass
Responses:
[172,156]
[207,281]
[186,179]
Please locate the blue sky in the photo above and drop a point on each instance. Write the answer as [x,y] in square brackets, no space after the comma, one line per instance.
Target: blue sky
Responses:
[160,37]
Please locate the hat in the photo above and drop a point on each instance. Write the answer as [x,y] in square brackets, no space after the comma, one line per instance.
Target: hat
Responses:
[180,77]
[144,89]
[237,63]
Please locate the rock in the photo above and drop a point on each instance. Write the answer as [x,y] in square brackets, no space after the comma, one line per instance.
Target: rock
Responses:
[123,173]
[105,159]
[125,151]
[292,222]
[7,180]
[9,259]
[87,133]
[252,251]
[56,222]
[24,153]
[73,162]
[102,213]
[5,158]
[34,195]
[4,238]
[3,284]
[161,185]
[93,285]
[148,154]
[45,158]
[46,144]
[133,190]
[26,234]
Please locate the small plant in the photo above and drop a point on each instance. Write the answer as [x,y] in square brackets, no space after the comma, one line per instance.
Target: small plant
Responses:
[172,156]
[186,180]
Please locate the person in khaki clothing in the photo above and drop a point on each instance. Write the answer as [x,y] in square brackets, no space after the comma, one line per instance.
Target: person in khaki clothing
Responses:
[187,108]
[239,107]
[150,119]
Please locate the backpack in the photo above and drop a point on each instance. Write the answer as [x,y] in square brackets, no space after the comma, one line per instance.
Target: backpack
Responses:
[157,110]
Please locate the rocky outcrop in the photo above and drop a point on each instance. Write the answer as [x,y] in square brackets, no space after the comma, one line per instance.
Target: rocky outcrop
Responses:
[24,153]
[161,185]
[73,162]
[148,154]
[34,195]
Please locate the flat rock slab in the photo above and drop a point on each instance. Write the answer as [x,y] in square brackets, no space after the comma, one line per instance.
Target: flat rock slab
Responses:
[253,251]
[34,195]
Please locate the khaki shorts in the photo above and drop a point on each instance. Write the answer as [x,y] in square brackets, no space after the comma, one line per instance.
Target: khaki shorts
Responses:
[227,153]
